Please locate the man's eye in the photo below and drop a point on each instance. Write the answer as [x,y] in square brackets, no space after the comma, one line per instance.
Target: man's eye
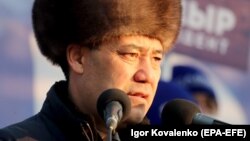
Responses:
[129,55]
[132,54]
[157,59]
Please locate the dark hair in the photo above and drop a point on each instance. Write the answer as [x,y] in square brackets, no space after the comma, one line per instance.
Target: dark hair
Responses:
[58,23]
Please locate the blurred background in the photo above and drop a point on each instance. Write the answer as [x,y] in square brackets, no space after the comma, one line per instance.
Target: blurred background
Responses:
[215,39]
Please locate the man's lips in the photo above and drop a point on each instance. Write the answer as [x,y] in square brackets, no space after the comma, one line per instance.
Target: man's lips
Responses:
[139,94]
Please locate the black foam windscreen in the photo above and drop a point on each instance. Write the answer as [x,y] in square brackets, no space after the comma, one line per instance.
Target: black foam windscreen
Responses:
[178,112]
[110,95]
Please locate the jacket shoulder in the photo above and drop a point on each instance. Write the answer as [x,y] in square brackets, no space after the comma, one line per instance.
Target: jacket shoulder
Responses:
[31,129]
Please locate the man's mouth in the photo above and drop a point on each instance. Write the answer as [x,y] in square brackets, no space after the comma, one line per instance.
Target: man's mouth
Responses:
[139,94]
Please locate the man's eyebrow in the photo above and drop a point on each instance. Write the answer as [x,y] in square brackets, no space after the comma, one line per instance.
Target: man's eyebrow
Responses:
[158,51]
[133,46]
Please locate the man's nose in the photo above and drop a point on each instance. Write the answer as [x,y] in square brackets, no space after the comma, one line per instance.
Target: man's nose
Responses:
[145,72]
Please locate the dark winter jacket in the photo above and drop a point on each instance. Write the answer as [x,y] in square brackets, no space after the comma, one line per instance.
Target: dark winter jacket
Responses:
[58,120]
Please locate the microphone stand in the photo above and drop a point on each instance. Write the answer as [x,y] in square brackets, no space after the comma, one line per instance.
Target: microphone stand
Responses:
[109,138]
[112,136]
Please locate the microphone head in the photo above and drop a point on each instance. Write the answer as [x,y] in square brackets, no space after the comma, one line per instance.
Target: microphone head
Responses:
[110,95]
[178,112]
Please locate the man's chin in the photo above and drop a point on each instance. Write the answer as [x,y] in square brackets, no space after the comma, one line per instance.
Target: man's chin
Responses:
[136,116]
[132,119]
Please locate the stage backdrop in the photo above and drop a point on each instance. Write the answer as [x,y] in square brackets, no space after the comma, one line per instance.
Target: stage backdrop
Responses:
[215,37]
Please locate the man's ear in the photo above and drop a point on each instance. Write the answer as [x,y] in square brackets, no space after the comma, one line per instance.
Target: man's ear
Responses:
[75,58]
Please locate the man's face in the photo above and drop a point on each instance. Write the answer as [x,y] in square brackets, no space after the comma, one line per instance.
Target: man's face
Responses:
[208,105]
[131,64]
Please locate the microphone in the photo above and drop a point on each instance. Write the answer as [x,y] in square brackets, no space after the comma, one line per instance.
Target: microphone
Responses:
[113,105]
[184,112]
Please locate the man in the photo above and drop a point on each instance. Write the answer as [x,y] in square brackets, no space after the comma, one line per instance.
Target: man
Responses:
[197,83]
[99,44]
